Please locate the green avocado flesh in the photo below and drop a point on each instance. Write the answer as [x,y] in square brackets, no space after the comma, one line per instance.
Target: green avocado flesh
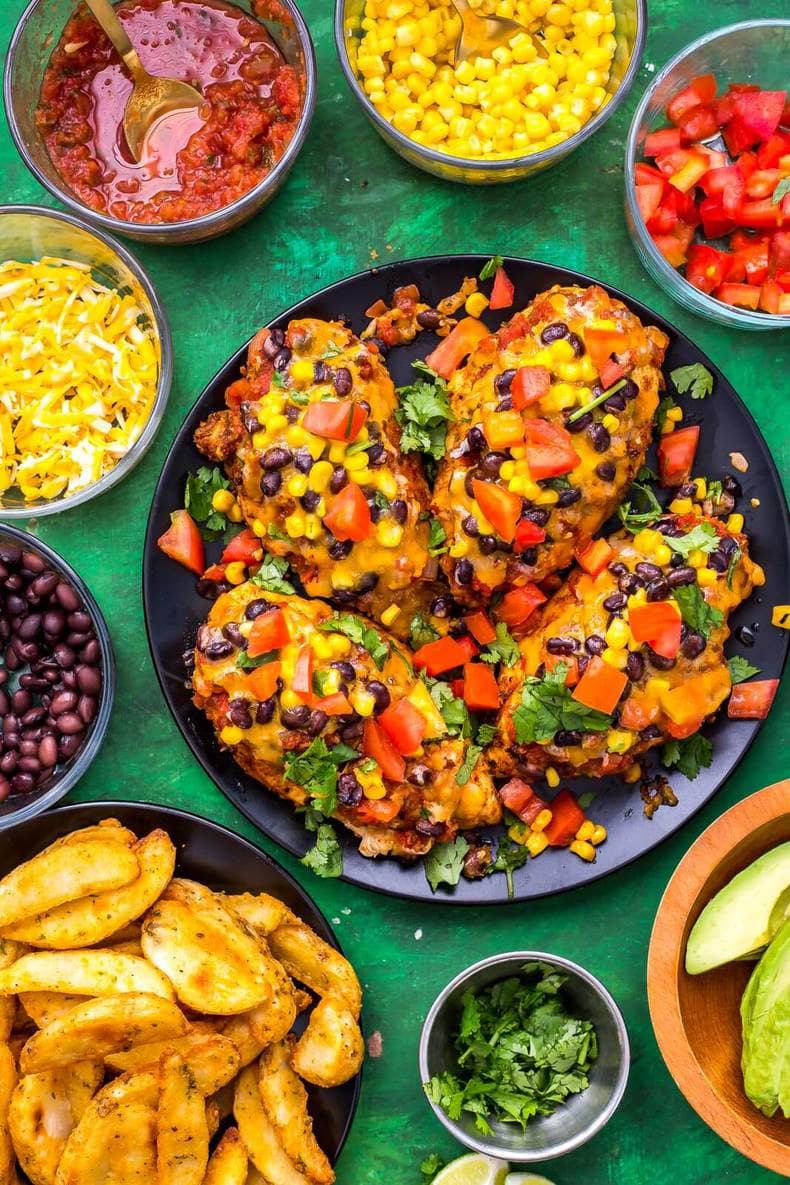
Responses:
[765,1016]
[744,916]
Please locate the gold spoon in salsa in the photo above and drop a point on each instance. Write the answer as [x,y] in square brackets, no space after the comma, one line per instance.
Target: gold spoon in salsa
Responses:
[152,97]
[481,34]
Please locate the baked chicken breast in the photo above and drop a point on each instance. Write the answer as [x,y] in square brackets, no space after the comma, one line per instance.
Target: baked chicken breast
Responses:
[530,474]
[327,709]
[628,655]
[311,446]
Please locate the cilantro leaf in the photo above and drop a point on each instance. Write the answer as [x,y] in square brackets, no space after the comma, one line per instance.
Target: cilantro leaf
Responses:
[468,764]
[732,565]
[325,858]
[741,669]
[315,770]
[781,190]
[688,755]
[488,269]
[424,413]
[486,734]
[421,632]
[245,663]
[430,1166]
[696,379]
[437,538]
[453,710]
[695,610]
[633,518]
[271,575]
[360,633]
[509,856]
[547,707]
[665,405]
[274,532]
[702,537]
[503,649]
[199,492]
[445,861]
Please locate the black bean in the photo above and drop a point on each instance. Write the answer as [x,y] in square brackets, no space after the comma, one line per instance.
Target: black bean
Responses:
[491,464]
[554,332]
[15,605]
[464,571]
[728,545]
[345,669]
[68,679]
[239,713]
[576,342]
[256,607]
[349,791]
[420,775]
[615,602]
[69,723]
[471,474]
[302,460]
[686,489]
[718,561]
[295,717]
[340,549]
[615,403]
[381,697]
[475,439]
[343,380]
[30,626]
[561,644]
[529,555]
[502,381]
[658,661]
[21,701]
[635,666]
[648,571]
[79,621]
[377,456]
[64,701]
[8,762]
[282,358]
[221,648]
[232,632]
[669,528]
[367,582]
[68,746]
[568,497]
[429,319]
[22,783]
[599,437]
[629,584]
[317,722]
[292,413]
[271,483]
[607,470]
[630,390]
[567,736]
[339,479]
[310,500]
[470,527]
[322,372]
[488,544]
[265,710]
[10,554]
[505,404]
[583,661]
[273,343]
[88,679]
[426,827]
[45,584]
[681,575]
[536,514]
[731,485]
[595,644]
[277,457]
[29,763]
[745,635]
[441,606]
[399,510]
[54,622]
[650,733]
[48,751]
[692,645]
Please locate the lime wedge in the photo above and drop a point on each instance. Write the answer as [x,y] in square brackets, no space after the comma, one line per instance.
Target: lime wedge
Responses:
[526,1179]
[474,1169]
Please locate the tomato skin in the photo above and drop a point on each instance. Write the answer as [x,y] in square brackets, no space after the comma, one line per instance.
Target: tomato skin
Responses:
[752,701]
[566,819]
[518,797]
[303,674]
[442,655]
[349,515]
[451,350]
[658,623]
[743,296]
[405,726]
[480,627]
[376,744]
[600,687]
[699,124]
[376,810]
[245,548]
[706,267]
[530,383]
[262,683]
[481,692]
[518,605]
[648,198]
[503,291]
[183,543]
[501,507]
[333,420]
[527,534]
[759,113]
[594,556]
[676,453]
[665,140]
[269,632]
[550,451]
[715,221]
[503,429]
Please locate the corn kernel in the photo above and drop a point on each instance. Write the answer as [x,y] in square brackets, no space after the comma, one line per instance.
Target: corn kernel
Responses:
[318,478]
[259,440]
[476,303]
[297,485]
[735,523]
[507,470]
[675,415]
[459,549]
[667,428]
[362,701]
[552,777]
[584,850]
[518,832]
[618,634]
[231,735]
[536,843]
[235,573]
[388,533]
[357,462]
[655,686]
[341,645]
[542,819]
[586,830]
[619,740]
[222,501]
[681,505]
[313,527]
[633,773]
[610,422]
[701,487]
[386,483]
[706,577]
[599,834]
[389,614]
[322,649]
[663,554]
[546,498]
[697,558]
[302,372]
[276,424]
[315,445]
[289,698]
[647,540]
[294,525]
[234,514]
[615,658]
[259,528]
[296,436]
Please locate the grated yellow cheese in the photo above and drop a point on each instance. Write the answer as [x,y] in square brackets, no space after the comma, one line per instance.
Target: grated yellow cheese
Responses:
[78,377]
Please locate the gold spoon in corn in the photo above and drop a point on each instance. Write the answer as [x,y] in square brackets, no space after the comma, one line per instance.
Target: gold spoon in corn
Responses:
[480,35]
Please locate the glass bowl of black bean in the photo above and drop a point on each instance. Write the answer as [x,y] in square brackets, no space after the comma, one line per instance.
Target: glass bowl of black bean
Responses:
[57,677]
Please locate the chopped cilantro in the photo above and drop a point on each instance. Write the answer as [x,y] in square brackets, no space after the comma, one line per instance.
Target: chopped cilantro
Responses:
[702,537]
[520,1051]
[300,398]
[714,490]
[695,610]
[781,190]
[488,269]
[468,764]
[486,734]
[424,413]
[437,538]
[696,379]
[271,575]
[360,633]
[642,511]
[689,755]
[278,380]
[587,799]
[315,770]
[332,350]
[732,565]
[430,1167]
[421,632]
[274,532]
[665,405]
[453,710]
[503,649]
[547,707]
[741,669]
[325,858]
[445,861]
[198,494]
[646,474]
[245,663]
[509,856]
[582,411]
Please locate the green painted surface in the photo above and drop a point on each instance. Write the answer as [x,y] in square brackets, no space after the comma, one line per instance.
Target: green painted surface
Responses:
[349,201]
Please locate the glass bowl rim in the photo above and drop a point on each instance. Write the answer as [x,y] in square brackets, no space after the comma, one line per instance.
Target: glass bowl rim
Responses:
[674,283]
[534,160]
[154,231]
[96,736]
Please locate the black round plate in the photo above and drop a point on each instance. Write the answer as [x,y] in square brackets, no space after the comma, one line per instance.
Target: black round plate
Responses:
[173,608]
[223,861]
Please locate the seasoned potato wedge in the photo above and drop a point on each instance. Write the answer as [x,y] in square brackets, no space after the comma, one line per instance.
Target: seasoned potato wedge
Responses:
[93,919]
[84,973]
[7,1084]
[284,1100]
[316,964]
[44,1007]
[239,1030]
[261,911]
[45,1109]
[113,1144]
[260,1136]
[9,953]
[331,1049]
[229,1162]
[105,829]
[101,1026]
[64,873]
[215,962]
[211,1058]
[182,1131]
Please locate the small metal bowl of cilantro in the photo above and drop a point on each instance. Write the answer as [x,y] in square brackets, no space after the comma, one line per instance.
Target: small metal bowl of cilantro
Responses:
[524,1056]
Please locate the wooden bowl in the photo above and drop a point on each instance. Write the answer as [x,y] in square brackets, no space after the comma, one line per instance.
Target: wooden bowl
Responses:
[696,1018]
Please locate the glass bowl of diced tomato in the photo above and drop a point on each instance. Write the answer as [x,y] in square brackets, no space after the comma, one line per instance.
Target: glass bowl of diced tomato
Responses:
[707,175]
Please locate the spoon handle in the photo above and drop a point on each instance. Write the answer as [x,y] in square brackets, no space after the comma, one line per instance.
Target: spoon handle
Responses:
[105,15]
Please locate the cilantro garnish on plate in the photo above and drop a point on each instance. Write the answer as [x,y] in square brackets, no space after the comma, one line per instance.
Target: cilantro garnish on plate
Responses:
[695,379]
[445,861]
[491,267]
[547,706]
[315,770]
[421,632]
[520,1051]
[642,509]
[695,610]
[741,669]
[424,413]
[199,491]
[271,575]
[503,649]
[689,755]
[702,537]
[325,857]
[359,632]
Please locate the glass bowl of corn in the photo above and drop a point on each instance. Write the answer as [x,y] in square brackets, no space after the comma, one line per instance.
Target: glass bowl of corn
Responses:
[486,119]
[85,362]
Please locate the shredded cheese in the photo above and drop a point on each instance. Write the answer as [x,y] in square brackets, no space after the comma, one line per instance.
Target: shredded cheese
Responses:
[78,376]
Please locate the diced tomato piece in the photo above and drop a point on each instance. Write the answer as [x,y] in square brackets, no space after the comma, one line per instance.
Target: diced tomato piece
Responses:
[715,222]
[706,267]
[684,205]
[737,136]
[244,548]
[600,687]
[699,124]
[594,556]
[512,330]
[746,164]
[336,704]
[665,140]
[481,692]
[571,667]
[727,184]
[676,453]
[688,175]
[550,451]
[762,183]
[681,103]
[648,198]
[183,543]
[611,372]
[566,819]
[760,215]
[752,701]
[779,254]
[742,240]
[684,729]
[215,572]
[501,507]
[263,681]
[770,296]
[480,627]
[502,429]
[377,810]
[759,113]
[269,632]
[518,605]
[530,383]
[349,515]
[665,219]
[771,152]
[405,725]
[469,648]
[334,420]
[638,712]
[646,174]
[724,107]
[451,351]
[303,673]
[376,744]
[440,656]
[604,340]
[518,797]
[457,688]
[675,245]
[754,260]
[743,296]
[658,623]
[502,292]
[527,534]
[239,392]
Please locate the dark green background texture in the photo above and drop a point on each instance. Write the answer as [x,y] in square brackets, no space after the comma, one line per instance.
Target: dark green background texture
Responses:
[349,203]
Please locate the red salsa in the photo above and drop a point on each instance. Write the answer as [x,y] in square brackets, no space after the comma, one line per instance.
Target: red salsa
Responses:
[193,161]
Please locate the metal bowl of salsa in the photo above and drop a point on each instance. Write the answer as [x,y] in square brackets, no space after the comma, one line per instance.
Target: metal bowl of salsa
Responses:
[204,172]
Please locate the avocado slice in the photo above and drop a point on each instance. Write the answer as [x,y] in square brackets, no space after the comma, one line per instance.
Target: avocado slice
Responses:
[765,1017]
[743,916]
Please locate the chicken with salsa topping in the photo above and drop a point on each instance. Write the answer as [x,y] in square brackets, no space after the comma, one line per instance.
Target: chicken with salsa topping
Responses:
[629,653]
[327,711]
[552,418]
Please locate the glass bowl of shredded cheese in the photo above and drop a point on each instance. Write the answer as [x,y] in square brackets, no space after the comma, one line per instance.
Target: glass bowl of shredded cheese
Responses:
[85,362]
